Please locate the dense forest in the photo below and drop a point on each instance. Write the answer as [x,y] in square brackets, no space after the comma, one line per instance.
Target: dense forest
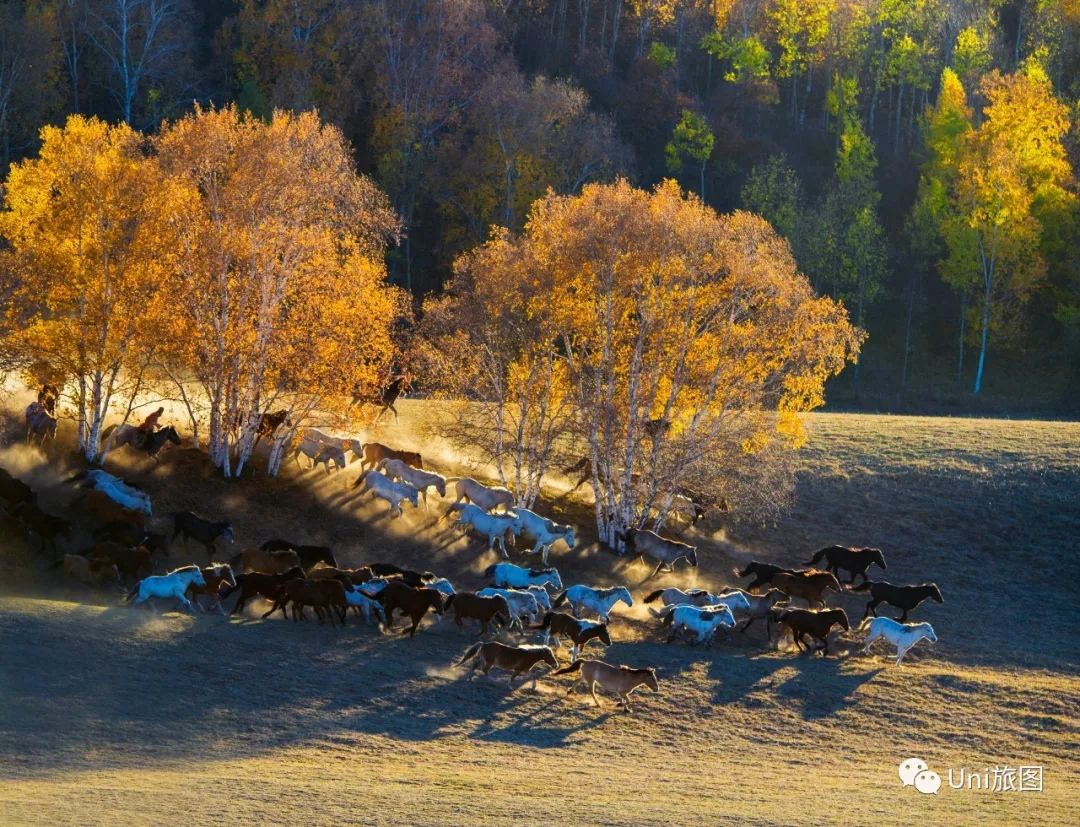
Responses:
[919,155]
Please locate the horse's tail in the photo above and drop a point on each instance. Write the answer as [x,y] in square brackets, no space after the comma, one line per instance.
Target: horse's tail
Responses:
[866,621]
[560,598]
[668,613]
[131,594]
[470,652]
[490,570]
[546,623]
[816,558]
[864,586]
[566,670]
[107,434]
[652,596]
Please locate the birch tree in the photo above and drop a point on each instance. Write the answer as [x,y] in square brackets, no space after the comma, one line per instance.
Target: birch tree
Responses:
[279,288]
[88,222]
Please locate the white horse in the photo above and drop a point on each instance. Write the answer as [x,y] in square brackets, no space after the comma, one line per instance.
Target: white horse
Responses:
[507,575]
[599,602]
[701,620]
[319,454]
[901,635]
[487,497]
[123,494]
[368,606]
[173,585]
[541,595]
[494,526]
[547,532]
[441,584]
[386,489]
[420,479]
[673,596]
[523,604]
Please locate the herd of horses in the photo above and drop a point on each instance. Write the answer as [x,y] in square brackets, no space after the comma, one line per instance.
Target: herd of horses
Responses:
[528,608]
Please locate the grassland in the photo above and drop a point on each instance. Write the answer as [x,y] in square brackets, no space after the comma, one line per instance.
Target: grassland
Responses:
[113,715]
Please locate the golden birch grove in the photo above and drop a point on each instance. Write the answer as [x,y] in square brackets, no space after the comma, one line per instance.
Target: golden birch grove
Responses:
[688,340]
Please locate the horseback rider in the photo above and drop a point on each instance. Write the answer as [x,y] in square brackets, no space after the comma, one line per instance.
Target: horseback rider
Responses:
[148,426]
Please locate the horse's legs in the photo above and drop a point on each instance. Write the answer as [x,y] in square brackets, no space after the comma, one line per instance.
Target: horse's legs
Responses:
[656,571]
[871,608]
[900,652]
[903,617]
[747,626]
[592,691]
[187,603]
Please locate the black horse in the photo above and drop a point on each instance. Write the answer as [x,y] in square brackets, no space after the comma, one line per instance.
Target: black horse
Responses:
[206,532]
[855,561]
[763,573]
[902,597]
[309,555]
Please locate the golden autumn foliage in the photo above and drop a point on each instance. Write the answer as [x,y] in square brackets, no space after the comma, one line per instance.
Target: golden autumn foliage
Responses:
[243,254]
[89,221]
[686,340]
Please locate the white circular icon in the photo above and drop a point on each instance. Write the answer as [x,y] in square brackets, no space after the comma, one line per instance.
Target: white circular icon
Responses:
[910,768]
[928,782]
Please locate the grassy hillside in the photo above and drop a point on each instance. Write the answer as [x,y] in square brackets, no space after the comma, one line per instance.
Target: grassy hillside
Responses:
[110,714]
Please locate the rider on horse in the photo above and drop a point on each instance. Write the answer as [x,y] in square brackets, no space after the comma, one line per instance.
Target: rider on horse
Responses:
[149,425]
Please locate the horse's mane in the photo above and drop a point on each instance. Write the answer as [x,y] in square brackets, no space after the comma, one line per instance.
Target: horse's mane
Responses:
[183,569]
[538,572]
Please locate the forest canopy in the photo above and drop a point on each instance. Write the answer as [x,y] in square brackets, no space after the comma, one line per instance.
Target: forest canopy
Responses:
[918,155]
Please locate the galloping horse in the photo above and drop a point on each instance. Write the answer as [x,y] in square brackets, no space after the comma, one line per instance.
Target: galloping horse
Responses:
[643,543]
[622,680]
[174,584]
[901,635]
[515,659]
[117,436]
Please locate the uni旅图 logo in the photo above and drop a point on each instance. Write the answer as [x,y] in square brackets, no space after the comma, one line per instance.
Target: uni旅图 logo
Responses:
[915,772]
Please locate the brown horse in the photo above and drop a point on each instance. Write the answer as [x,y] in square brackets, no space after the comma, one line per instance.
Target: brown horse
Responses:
[376,452]
[622,680]
[270,422]
[257,584]
[217,576]
[643,543]
[763,573]
[485,609]
[808,585]
[97,572]
[808,622]
[265,562]
[516,659]
[414,603]
[328,595]
[580,632]
[101,510]
[40,423]
[130,561]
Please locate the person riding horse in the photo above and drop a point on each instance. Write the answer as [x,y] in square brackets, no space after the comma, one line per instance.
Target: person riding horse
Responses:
[148,426]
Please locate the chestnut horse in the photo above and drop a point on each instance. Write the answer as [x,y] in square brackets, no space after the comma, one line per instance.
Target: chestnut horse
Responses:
[807,585]
[515,659]
[622,680]
[475,607]
[409,601]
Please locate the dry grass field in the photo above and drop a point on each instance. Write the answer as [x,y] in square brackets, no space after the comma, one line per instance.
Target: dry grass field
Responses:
[113,715]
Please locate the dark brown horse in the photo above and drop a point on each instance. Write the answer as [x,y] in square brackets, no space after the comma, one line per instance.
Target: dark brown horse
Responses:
[217,576]
[373,453]
[131,562]
[516,659]
[270,422]
[416,579]
[207,532]
[763,573]
[469,605]
[580,632]
[902,597]
[309,555]
[101,511]
[804,622]
[322,595]
[257,584]
[855,561]
[414,603]
[45,526]
[808,585]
